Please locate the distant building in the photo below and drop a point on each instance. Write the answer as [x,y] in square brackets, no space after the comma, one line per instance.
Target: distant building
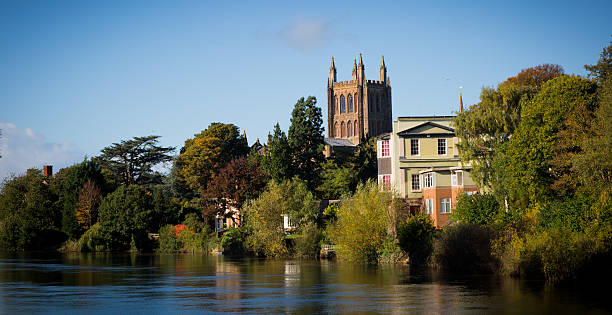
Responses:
[358,108]
[419,160]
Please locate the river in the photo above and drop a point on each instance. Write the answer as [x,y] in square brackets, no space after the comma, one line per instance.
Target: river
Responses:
[170,284]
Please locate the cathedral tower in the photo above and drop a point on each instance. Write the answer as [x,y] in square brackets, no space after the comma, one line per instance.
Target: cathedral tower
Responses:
[358,108]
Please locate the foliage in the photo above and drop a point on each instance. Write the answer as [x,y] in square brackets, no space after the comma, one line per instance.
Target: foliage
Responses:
[207,152]
[93,240]
[479,209]
[306,140]
[28,218]
[277,159]
[602,70]
[365,161]
[336,181]
[362,224]
[125,214]
[191,236]
[486,126]
[239,181]
[68,185]
[572,213]
[131,161]
[535,77]
[90,197]
[234,242]
[264,219]
[165,210]
[592,166]
[308,243]
[415,237]
[539,152]
[464,248]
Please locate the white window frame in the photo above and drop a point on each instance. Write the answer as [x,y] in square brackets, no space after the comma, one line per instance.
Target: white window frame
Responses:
[455,178]
[418,147]
[445,147]
[386,152]
[429,180]
[418,182]
[386,179]
[429,206]
[445,205]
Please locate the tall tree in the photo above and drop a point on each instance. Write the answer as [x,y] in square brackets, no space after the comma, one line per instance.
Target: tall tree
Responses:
[486,126]
[535,77]
[234,184]
[306,140]
[132,160]
[90,197]
[207,152]
[602,70]
[539,154]
[277,159]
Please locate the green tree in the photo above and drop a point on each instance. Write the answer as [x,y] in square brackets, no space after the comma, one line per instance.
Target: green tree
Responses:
[478,209]
[126,215]
[336,181]
[486,127]
[602,70]
[364,220]
[68,184]
[277,159]
[306,140]
[546,135]
[365,161]
[207,152]
[28,218]
[131,161]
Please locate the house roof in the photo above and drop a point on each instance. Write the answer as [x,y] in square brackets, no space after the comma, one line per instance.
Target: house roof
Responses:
[335,142]
[411,131]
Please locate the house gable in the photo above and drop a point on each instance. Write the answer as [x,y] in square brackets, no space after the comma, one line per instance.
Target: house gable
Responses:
[427,129]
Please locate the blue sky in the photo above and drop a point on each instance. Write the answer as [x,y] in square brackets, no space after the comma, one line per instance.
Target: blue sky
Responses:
[76,76]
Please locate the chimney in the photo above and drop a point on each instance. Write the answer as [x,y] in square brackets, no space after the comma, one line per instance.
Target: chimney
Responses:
[48,170]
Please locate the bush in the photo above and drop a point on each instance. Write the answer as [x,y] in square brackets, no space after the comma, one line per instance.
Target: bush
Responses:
[308,243]
[574,213]
[362,225]
[415,237]
[168,242]
[93,240]
[464,248]
[234,242]
[478,209]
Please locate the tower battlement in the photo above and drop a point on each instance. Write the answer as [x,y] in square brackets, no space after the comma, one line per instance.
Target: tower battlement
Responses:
[358,108]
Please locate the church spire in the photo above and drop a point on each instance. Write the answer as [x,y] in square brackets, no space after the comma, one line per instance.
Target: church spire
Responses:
[332,72]
[460,100]
[354,69]
[383,71]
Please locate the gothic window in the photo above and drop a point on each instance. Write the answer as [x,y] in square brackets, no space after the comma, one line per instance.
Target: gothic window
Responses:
[336,131]
[356,126]
[342,105]
[370,104]
[356,102]
[349,129]
[350,103]
[342,130]
[337,105]
[378,103]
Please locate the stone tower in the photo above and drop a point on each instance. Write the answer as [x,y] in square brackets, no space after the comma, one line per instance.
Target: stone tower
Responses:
[358,108]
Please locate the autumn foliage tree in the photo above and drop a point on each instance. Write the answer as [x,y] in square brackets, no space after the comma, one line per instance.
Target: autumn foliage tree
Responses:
[87,207]
[535,77]
[239,181]
[209,151]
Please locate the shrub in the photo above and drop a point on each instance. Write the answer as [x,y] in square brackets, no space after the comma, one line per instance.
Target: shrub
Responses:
[478,209]
[234,242]
[415,237]
[362,224]
[308,243]
[93,240]
[168,242]
[464,248]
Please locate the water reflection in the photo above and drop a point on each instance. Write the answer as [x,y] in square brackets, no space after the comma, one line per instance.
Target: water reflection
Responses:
[114,283]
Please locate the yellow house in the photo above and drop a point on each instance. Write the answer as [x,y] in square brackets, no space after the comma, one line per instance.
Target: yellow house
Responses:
[419,160]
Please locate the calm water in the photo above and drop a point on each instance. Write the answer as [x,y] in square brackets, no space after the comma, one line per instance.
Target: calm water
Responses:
[120,284]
